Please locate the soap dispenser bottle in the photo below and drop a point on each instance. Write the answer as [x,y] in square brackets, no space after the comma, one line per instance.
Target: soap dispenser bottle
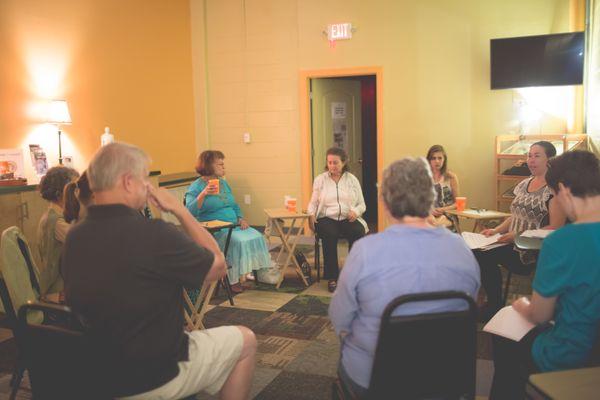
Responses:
[106,137]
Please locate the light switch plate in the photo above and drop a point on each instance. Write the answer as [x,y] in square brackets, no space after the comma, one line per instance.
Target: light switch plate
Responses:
[247,199]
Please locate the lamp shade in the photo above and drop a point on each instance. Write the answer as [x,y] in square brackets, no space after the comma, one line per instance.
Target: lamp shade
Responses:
[58,112]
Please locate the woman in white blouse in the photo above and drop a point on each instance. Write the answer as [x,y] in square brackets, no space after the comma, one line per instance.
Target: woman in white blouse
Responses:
[336,206]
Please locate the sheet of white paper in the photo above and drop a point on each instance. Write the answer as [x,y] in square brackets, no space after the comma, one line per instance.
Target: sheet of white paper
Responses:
[493,246]
[537,233]
[509,323]
[483,213]
[477,240]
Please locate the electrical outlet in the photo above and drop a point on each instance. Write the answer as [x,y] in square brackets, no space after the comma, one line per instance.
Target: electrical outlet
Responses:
[246,137]
[247,199]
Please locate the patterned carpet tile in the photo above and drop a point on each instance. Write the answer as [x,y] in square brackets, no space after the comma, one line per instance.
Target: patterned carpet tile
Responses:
[297,386]
[484,346]
[262,377]
[260,300]
[8,356]
[24,392]
[318,289]
[220,316]
[307,305]
[306,327]
[319,358]
[291,284]
[277,352]
[328,335]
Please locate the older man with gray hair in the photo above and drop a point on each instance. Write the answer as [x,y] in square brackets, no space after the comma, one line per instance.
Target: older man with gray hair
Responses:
[125,274]
[410,256]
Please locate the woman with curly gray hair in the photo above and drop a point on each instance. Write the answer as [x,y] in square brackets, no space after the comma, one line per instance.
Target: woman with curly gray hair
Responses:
[410,256]
[52,228]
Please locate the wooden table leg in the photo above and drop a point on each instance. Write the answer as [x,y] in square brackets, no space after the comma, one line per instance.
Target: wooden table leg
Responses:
[290,252]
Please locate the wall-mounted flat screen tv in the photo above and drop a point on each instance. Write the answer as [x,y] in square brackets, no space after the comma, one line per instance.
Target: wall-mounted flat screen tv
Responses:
[545,60]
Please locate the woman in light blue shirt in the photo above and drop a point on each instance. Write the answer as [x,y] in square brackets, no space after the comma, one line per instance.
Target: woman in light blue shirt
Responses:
[410,256]
[566,287]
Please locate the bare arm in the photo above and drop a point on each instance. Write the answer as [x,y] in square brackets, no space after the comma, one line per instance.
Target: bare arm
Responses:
[539,310]
[502,228]
[167,202]
[557,215]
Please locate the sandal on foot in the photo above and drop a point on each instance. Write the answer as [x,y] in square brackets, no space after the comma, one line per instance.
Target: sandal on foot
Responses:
[237,288]
[331,286]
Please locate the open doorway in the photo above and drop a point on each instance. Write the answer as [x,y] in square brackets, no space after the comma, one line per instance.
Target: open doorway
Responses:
[343,113]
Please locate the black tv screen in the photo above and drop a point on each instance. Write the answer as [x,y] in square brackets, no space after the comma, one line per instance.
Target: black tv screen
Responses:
[545,60]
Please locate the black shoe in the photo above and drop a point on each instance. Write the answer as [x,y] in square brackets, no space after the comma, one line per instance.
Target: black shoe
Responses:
[332,285]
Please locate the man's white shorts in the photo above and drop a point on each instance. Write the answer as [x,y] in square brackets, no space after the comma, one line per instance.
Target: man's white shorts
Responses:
[212,355]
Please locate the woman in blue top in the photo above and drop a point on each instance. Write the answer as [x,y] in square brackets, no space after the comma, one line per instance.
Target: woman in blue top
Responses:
[247,249]
[566,287]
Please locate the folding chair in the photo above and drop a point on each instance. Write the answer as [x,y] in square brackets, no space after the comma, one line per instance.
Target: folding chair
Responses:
[195,310]
[425,355]
[62,361]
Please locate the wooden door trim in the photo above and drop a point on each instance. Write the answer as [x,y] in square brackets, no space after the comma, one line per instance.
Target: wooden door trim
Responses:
[304,101]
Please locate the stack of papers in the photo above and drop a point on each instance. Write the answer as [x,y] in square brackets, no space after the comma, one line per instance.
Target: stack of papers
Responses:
[479,241]
[537,233]
[481,213]
[509,323]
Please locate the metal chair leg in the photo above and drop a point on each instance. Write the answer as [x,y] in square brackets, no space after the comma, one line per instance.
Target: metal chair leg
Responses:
[228,289]
[15,381]
[318,258]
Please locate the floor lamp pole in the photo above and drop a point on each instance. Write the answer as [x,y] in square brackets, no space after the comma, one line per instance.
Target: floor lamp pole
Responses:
[60,159]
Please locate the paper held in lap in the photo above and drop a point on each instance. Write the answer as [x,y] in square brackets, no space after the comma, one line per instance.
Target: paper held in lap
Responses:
[537,233]
[509,323]
[479,241]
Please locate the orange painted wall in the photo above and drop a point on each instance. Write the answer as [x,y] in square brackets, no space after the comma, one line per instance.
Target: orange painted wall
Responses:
[123,64]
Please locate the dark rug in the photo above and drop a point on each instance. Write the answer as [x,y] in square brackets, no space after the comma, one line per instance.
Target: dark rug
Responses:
[220,316]
[297,386]
[307,305]
[305,327]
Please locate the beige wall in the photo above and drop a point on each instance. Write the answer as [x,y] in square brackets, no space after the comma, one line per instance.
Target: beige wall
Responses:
[435,60]
[125,64]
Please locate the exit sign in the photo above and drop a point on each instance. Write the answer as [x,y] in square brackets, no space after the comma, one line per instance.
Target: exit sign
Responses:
[339,31]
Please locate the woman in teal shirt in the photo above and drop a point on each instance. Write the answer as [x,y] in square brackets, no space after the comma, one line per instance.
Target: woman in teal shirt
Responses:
[566,287]
[247,249]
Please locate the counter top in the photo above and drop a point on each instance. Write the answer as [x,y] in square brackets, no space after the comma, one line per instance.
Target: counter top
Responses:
[29,188]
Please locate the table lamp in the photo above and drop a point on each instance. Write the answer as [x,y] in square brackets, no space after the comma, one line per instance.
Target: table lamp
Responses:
[58,113]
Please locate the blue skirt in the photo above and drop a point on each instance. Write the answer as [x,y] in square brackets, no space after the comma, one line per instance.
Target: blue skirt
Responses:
[247,252]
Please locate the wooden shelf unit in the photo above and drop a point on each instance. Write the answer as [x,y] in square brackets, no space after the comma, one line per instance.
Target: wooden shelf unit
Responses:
[504,160]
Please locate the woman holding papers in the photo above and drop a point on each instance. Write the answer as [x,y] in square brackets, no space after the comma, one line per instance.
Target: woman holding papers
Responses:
[532,208]
[566,287]
[410,256]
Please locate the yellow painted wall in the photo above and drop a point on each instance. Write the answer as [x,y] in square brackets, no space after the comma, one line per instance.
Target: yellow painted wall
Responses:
[435,60]
[125,64]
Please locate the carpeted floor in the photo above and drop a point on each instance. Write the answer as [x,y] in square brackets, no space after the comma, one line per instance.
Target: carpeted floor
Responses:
[298,350]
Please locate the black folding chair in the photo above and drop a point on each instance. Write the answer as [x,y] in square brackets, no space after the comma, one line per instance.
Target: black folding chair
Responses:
[425,356]
[62,360]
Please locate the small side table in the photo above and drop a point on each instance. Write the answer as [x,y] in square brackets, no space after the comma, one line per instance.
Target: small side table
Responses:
[289,240]
[478,215]
[581,384]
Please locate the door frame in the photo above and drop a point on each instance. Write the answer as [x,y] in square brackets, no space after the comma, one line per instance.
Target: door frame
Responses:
[305,134]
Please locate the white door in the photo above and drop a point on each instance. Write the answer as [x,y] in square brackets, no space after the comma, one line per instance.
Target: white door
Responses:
[336,121]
